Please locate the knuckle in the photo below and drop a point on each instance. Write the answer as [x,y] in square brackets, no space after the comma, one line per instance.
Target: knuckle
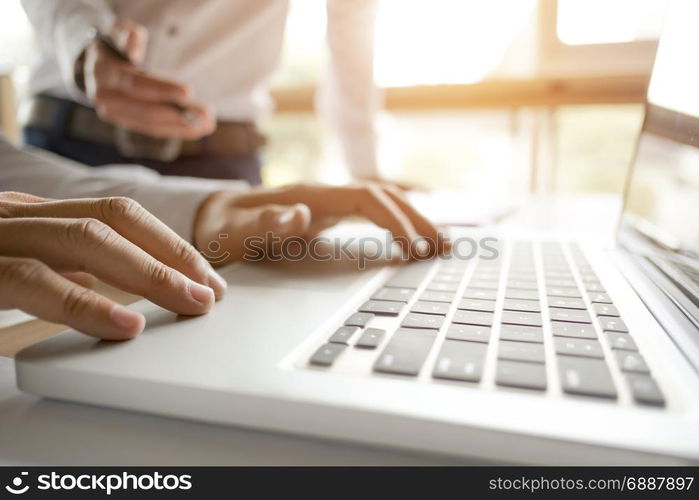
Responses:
[120,208]
[185,253]
[268,216]
[160,276]
[20,270]
[77,301]
[91,232]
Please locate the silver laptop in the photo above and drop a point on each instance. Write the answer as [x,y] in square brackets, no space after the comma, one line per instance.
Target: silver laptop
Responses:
[537,350]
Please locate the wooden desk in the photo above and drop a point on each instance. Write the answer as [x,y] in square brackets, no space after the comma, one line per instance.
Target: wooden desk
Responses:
[16,337]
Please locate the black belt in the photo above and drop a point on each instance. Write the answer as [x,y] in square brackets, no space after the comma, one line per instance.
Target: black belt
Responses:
[82,123]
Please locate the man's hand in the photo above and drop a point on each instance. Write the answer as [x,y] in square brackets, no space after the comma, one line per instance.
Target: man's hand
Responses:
[135,99]
[114,239]
[304,210]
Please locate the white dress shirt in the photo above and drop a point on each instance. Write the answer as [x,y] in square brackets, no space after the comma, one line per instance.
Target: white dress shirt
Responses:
[226,50]
[174,200]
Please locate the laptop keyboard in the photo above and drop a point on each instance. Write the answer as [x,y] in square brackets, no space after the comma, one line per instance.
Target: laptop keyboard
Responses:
[434,312]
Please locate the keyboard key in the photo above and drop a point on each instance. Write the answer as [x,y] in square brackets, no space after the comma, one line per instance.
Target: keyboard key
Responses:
[645,390]
[601,298]
[410,275]
[371,338]
[519,275]
[569,315]
[578,347]
[343,335]
[460,361]
[563,292]
[442,287]
[522,333]
[473,318]
[605,310]
[521,318]
[469,333]
[359,319]
[613,325]
[631,362]
[561,283]
[477,305]
[431,308]
[382,307]
[477,293]
[621,341]
[432,296]
[485,276]
[566,275]
[448,278]
[394,294]
[426,321]
[521,351]
[566,303]
[575,330]
[523,375]
[514,293]
[326,354]
[405,352]
[487,285]
[522,305]
[586,376]
[594,287]
[522,285]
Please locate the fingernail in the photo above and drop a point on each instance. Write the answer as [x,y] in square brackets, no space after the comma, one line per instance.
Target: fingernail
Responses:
[127,319]
[286,217]
[217,283]
[200,293]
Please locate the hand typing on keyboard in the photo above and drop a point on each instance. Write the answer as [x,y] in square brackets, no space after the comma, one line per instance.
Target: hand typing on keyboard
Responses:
[227,219]
[114,239]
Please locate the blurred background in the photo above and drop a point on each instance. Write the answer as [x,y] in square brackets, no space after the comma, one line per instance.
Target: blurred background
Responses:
[497,96]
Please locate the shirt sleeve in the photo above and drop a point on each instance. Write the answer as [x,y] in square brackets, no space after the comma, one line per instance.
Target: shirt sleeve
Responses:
[61,28]
[174,200]
[349,98]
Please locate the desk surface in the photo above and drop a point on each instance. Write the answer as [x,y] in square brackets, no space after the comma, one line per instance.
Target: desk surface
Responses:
[36,431]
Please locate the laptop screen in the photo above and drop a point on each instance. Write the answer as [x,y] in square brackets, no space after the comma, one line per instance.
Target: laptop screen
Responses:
[662,194]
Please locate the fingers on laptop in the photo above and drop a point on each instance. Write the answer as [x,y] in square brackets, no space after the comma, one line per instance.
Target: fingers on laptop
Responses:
[92,246]
[256,227]
[35,288]
[130,220]
[384,206]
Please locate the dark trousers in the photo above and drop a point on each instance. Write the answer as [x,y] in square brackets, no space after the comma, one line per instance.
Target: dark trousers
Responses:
[244,166]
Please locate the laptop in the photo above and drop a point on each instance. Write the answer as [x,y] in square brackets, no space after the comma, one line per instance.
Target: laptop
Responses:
[539,349]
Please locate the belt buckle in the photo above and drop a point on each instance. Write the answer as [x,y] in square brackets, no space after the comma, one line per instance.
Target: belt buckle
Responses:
[132,144]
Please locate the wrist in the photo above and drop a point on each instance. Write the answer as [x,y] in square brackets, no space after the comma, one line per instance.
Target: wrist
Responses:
[209,218]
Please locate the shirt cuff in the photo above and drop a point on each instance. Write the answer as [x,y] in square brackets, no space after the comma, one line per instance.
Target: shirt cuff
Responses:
[72,38]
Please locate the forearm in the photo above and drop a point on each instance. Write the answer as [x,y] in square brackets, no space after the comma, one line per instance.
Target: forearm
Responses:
[174,200]
[349,98]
